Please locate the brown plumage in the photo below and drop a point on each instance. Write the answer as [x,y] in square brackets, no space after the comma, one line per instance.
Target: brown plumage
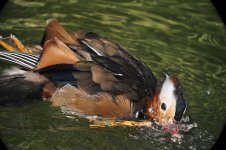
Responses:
[91,75]
[77,100]
[99,67]
[56,52]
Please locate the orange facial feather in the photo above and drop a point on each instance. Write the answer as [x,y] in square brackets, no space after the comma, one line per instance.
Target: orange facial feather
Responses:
[154,112]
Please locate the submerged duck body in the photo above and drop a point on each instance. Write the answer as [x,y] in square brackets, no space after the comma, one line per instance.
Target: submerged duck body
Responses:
[91,75]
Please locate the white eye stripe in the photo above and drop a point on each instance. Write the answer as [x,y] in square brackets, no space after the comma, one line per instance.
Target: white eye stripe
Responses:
[167,95]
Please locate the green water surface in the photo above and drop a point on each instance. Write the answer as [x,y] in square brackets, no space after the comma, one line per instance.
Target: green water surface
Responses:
[187,38]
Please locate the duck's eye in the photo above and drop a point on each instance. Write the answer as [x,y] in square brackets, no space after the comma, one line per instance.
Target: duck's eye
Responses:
[163,106]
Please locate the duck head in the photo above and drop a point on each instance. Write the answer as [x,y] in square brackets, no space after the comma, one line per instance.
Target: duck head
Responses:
[168,105]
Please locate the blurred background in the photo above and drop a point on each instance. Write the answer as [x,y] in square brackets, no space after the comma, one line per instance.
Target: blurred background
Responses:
[186,38]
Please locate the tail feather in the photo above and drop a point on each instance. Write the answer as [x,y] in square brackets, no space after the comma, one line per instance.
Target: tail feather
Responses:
[26,60]
[16,90]
[25,88]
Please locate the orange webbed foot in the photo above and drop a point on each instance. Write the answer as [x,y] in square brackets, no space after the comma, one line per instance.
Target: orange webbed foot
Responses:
[19,45]
[7,46]
[15,45]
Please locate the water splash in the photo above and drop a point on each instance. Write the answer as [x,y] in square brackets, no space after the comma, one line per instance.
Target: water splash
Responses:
[175,130]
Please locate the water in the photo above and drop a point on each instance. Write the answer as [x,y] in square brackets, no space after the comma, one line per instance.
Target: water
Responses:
[187,38]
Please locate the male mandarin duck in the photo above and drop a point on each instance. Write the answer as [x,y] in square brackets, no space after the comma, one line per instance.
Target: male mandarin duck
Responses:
[91,75]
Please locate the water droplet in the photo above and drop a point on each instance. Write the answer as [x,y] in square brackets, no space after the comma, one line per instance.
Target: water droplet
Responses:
[208,92]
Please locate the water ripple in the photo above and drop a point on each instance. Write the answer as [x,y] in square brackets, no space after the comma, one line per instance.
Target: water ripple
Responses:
[187,39]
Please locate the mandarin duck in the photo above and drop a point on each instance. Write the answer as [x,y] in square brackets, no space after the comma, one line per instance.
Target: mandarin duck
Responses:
[90,75]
